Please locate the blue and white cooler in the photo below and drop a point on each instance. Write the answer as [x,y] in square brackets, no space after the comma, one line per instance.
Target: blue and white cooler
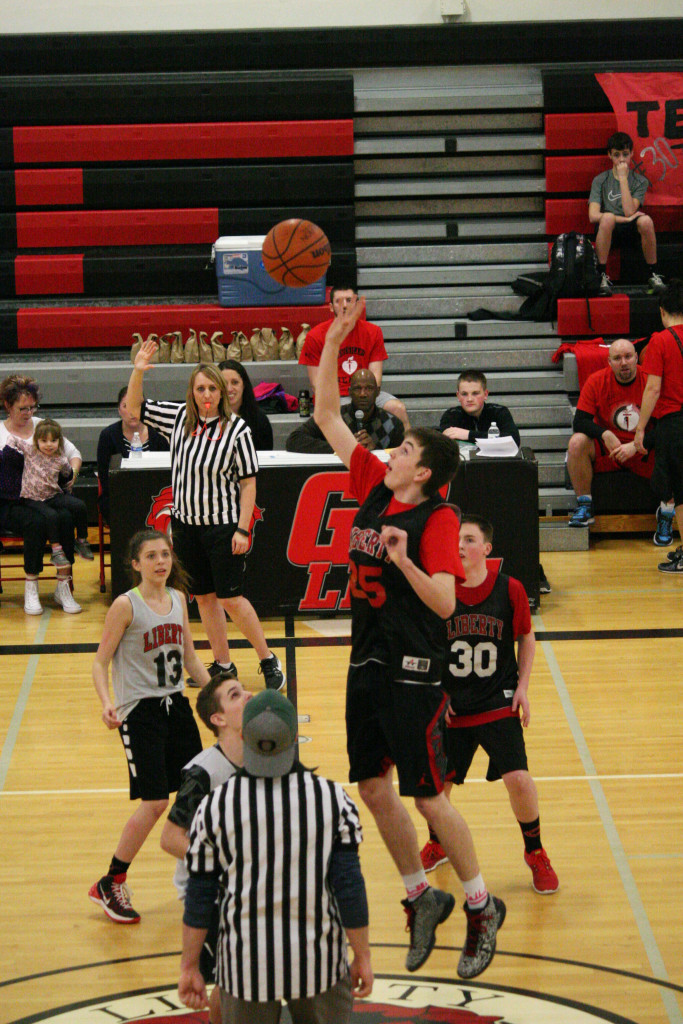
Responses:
[244,281]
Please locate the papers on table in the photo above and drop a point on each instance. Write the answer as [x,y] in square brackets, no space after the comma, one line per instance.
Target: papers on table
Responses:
[497,447]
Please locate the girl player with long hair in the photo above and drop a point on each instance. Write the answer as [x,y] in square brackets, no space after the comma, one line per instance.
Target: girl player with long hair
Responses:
[148,642]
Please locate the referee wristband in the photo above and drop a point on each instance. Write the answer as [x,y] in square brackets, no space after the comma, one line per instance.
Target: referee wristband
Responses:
[238,529]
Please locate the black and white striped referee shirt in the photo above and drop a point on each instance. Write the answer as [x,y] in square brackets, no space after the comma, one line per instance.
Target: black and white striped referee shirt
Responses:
[280,934]
[206,466]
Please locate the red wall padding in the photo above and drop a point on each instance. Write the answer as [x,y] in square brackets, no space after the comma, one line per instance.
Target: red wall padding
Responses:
[49,275]
[116,227]
[572,215]
[608,316]
[78,327]
[579,131]
[201,141]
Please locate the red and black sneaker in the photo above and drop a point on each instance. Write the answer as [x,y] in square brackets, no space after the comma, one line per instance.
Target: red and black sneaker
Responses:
[432,854]
[112,894]
[543,878]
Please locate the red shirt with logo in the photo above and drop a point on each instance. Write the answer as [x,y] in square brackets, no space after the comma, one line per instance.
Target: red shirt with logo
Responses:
[364,345]
[612,405]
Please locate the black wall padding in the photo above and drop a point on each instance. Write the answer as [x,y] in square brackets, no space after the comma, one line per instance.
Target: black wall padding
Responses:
[178,97]
[561,42]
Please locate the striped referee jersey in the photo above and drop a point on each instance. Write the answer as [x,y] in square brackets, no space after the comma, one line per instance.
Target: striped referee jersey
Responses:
[206,466]
[270,840]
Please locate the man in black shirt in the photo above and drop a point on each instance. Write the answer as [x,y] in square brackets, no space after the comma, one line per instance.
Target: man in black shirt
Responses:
[473,417]
[374,428]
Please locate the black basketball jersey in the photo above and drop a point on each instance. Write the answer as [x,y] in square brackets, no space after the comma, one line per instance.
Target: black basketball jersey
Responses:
[389,622]
[481,669]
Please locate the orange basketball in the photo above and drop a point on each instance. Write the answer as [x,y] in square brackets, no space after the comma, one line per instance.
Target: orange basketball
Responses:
[296,253]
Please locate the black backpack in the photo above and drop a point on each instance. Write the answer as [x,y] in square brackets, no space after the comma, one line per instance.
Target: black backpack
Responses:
[574,270]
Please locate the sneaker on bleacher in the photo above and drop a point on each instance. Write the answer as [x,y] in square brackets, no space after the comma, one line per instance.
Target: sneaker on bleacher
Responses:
[606,287]
[583,513]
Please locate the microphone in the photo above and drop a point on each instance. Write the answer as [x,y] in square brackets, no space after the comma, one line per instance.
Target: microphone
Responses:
[359,417]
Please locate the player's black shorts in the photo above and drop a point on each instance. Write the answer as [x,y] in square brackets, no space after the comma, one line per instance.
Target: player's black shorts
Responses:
[667,478]
[159,736]
[207,957]
[503,741]
[395,723]
[206,555]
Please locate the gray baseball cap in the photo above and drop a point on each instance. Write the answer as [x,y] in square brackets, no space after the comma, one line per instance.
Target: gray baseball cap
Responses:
[269,728]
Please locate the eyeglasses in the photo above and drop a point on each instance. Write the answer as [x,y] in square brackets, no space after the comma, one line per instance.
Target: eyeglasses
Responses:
[28,408]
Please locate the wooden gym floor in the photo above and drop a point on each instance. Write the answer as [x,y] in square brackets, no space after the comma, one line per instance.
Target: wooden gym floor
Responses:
[605,746]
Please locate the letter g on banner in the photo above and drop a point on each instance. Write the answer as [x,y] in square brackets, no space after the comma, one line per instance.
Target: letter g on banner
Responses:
[322,521]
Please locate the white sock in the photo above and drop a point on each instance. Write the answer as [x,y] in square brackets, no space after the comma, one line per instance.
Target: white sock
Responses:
[476,893]
[667,509]
[415,884]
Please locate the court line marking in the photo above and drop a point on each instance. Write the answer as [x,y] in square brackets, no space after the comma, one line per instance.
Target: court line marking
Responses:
[343,782]
[22,701]
[612,834]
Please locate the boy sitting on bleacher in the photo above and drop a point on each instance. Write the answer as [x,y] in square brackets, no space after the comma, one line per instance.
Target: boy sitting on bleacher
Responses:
[614,207]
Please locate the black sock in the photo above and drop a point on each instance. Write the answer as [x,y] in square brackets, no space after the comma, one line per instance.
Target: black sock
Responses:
[652,268]
[433,838]
[602,268]
[531,831]
[118,867]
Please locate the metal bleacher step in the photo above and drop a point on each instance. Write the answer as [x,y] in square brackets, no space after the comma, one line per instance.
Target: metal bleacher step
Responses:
[446,143]
[439,206]
[411,256]
[489,273]
[410,329]
[456,359]
[561,537]
[462,126]
[516,381]
[510,227]
[447,301]
[447,88]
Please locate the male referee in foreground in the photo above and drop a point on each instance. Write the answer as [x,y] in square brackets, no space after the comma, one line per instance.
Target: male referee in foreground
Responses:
[283,843]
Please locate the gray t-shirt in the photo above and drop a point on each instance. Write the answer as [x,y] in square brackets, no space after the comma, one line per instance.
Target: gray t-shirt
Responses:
[606,190]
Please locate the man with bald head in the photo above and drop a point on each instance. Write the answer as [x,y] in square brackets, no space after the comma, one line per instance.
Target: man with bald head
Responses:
[605,422]
[371,426]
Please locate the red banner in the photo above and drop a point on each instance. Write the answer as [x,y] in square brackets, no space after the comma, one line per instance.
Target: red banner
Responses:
[649,107]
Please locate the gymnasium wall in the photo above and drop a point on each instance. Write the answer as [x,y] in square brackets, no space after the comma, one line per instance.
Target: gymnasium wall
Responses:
[205,15]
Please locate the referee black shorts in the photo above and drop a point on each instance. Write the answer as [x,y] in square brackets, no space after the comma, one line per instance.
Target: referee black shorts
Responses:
[503,741]
[395,723]
[205,553]
[159,736]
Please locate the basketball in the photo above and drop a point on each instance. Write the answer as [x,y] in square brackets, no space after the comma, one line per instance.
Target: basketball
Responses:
[296,253]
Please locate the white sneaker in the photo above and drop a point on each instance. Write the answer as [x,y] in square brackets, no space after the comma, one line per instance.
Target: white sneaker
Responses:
[32,605]
[64,597]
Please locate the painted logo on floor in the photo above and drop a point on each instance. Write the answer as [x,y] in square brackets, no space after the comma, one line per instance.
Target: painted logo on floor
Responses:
[395,1000]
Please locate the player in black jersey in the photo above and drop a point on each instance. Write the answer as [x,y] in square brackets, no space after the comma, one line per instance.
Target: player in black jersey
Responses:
[488,688]
[403,566]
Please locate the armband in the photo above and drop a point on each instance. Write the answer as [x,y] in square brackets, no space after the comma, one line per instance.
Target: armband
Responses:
[238,529]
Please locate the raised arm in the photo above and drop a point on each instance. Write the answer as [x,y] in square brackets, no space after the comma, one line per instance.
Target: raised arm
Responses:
[134,395]
[327,408]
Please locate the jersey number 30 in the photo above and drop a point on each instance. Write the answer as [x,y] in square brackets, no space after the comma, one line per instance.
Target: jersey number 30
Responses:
[175,668]
[478,658]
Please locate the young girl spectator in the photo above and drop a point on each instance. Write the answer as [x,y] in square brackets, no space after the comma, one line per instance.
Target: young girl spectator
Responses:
[147,639]
[46,471]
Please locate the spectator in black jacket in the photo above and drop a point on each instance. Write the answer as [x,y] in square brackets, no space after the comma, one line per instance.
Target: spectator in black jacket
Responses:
[473,417]
[373,428]
[243,403]
[116,440]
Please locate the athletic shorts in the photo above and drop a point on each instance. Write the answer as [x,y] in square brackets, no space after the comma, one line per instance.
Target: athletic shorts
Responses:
[624,235]
[639,464]
[668,475]
[159,736]
[395,723]
[205,553]
[503,741]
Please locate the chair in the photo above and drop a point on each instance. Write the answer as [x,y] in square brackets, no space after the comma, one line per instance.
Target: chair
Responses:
[15,541]
[101,528]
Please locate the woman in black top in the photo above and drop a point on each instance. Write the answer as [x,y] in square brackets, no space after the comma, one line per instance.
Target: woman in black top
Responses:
[116,439]
[243,403]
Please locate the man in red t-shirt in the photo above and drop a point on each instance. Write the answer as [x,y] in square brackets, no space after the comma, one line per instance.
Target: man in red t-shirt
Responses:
[607,414]
[362,350]
[403,566]
[663,395]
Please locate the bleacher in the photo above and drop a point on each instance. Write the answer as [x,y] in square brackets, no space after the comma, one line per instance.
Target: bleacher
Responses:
[437,187]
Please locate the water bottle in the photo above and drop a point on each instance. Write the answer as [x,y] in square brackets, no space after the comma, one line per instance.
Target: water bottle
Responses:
[304,403]
[136,446]
[493,430]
